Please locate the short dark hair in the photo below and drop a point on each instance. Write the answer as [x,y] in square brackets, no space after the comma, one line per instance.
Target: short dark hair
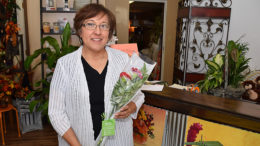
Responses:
[90,11]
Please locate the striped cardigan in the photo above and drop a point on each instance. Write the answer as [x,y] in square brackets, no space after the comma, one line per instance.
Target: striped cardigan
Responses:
[69,100]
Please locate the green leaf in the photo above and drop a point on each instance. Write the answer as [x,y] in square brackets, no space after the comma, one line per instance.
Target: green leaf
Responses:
[53,42]
[204,143]
[212,65]
[29,59]
[30,95]
[65,37]
[44,106]
[51,61]
[218,59]
[33,104]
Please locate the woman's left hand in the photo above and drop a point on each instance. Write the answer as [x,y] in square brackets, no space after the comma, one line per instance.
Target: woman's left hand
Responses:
[126,111]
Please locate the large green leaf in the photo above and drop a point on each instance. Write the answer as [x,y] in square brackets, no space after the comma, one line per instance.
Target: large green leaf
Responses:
[30,95]
[51,61]
[29,59]
[65,37]
[33,104]
[212,65]
[53,42]
[218,59]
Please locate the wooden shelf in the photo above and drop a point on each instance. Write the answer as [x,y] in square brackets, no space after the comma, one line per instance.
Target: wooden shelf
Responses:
[236,113]
[204,12]
[58,10]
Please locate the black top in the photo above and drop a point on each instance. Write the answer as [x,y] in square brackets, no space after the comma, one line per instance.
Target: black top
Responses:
[96,84]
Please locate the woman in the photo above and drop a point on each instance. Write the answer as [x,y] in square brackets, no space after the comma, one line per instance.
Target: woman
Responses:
[83,81]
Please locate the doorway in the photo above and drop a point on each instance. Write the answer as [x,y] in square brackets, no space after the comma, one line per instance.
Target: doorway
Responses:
[146,29]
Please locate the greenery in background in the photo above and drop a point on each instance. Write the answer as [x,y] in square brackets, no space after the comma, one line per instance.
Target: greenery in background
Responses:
[237,62]
[52,54]
[214,75]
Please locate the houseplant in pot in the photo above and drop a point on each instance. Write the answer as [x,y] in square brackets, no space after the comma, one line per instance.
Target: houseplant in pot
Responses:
[51,57]
[214,76]
[238,65]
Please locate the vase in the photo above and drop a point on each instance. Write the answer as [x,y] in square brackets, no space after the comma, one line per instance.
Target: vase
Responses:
[4,101]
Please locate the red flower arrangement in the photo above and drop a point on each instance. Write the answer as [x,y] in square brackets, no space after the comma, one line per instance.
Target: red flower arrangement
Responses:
[193,131]
[143,126]
[10,88]
[11,30]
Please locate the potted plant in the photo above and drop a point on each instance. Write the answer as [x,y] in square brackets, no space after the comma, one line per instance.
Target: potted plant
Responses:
[51,55]
[214,75]
[237,64]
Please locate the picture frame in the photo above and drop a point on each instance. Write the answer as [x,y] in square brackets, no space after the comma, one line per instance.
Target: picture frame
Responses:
[50,5]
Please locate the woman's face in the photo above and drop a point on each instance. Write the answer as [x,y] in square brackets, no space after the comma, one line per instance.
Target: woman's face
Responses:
[94,32]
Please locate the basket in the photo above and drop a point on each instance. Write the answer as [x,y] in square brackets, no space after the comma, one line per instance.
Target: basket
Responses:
[29,121]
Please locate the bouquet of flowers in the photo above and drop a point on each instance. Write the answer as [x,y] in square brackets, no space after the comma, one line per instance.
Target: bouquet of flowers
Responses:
[135,73]
[143,126]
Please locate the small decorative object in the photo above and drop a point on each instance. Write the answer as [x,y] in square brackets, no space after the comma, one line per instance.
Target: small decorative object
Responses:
[66,5]
[46,27]
[251,92]
[62,23]
[56,27]
[143,126]
[257,80]
[50,5]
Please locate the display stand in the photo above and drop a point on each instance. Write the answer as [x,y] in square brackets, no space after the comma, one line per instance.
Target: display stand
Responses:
[202,32]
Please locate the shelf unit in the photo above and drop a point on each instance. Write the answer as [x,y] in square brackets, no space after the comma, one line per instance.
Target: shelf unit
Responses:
[202,32]
[43,12]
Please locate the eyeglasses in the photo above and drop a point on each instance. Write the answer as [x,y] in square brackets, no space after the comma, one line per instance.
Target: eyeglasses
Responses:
[93,26]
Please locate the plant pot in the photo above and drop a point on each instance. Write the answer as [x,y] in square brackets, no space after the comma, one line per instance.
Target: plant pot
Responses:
[220,92]
[235,93]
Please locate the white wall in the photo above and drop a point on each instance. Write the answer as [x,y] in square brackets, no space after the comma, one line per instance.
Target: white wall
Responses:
[245,20]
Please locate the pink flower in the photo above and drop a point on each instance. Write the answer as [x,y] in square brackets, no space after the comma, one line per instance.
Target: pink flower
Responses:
[138,72]
[124,74]
[193,131]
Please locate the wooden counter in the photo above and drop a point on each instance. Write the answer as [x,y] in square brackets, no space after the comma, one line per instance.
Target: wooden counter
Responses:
[240,114]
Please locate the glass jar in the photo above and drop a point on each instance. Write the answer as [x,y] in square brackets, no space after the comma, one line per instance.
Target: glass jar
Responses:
[56,27]
[46,27]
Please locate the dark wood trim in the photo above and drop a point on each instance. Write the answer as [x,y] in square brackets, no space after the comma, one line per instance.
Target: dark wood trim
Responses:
[183,13]
[211,12]
[190,77]
[27,49]
[236,113]
[205,12]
